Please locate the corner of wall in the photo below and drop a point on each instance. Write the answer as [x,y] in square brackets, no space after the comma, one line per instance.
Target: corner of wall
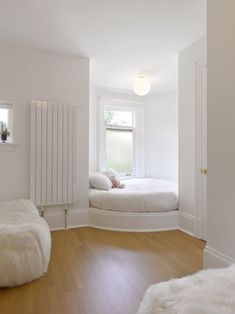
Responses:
[186,223]
[215,259]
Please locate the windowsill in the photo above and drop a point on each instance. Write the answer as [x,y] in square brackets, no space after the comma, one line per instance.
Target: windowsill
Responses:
[123,178]
[8,146]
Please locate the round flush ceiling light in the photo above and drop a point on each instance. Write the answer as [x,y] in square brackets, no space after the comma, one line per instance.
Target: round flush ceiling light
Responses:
[141,86]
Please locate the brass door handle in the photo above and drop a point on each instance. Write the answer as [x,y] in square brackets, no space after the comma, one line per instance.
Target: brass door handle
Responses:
[204,171]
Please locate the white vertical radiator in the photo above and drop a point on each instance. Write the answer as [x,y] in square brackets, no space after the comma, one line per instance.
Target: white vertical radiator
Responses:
[53,162]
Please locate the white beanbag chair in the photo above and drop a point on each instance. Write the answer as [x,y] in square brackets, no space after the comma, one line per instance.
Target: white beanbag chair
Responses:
[25,243]
[207,292]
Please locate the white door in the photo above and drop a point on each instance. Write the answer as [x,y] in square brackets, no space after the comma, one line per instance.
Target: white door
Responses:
[201,151]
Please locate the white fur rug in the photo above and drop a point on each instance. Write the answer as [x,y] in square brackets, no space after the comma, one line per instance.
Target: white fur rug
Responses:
[25,243]
[207,292]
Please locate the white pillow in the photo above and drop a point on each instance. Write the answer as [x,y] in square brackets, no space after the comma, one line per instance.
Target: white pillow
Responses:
[100,182]
[111,173]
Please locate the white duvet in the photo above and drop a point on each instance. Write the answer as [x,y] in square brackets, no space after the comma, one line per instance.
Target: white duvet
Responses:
[25,243]
[139,195]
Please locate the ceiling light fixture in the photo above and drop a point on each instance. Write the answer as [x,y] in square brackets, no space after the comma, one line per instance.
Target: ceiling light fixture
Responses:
[141,86]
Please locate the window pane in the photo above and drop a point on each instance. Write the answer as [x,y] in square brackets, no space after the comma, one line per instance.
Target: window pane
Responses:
[3,118]
[120,150]
[122,118]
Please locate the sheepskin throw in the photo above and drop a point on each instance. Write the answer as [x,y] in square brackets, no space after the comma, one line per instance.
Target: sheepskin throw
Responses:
[208,291]
[25,243]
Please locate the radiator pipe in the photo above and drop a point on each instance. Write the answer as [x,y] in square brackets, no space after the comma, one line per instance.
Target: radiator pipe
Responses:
[65,217]
[41,212]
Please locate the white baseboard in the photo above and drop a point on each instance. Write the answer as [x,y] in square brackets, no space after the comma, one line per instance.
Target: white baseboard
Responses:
[215,259]
[186,223]
[55,219]
[186,231]
[76,218]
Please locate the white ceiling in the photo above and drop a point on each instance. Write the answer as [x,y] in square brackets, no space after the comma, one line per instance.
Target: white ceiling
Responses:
[124,38]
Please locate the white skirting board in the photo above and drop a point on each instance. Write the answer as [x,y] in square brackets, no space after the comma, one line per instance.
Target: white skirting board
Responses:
[214,259]
[74,219]
[78,218]
[117,221]
[186,223]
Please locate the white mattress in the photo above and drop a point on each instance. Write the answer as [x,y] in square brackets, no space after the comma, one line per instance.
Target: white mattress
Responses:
[139,195]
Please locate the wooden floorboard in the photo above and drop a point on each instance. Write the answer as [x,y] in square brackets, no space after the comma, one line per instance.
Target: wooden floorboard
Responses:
[103,272]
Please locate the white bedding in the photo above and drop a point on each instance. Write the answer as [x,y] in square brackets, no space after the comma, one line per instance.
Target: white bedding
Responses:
[139,195]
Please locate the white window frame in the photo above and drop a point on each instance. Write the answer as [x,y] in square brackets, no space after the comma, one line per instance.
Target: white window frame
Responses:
[9,107]
[138,133]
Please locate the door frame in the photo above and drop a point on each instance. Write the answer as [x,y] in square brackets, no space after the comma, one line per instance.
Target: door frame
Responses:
[200,67]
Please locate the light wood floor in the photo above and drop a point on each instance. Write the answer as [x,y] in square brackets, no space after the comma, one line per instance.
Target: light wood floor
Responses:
[103,272]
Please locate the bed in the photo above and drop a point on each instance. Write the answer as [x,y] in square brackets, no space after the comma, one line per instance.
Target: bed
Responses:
[140,195]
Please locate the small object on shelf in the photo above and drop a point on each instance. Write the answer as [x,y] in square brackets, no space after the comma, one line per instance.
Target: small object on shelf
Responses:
[4,134]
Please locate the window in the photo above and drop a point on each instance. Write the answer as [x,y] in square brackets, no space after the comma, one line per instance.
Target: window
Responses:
[119,140]
[6,118]
[121,137]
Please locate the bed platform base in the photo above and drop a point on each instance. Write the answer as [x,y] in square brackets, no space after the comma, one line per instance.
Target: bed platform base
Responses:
[133,222]
[112,220]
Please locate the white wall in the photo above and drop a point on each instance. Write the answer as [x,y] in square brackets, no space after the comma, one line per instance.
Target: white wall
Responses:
[28,74]
[93,130]
[221,133]
[95,94]
[161,136]
[187,101]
